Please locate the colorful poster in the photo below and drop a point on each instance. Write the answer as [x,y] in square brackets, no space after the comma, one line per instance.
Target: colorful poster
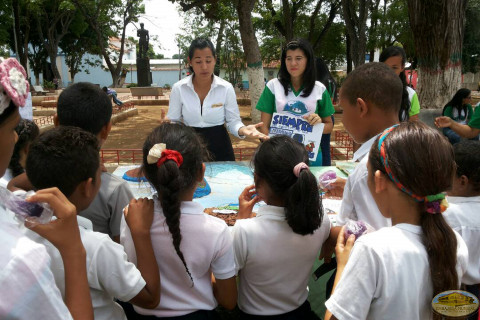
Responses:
[299,129]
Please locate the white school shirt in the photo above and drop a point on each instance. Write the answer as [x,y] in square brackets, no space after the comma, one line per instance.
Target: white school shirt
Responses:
[463,215]
[387,277]
[219,106]
[27,286]
[6,178]
[106,209]
[207,248]
[109,273]
[273,262]
[358,202]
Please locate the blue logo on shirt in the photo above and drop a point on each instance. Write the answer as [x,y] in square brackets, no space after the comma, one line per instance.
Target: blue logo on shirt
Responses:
[295,107]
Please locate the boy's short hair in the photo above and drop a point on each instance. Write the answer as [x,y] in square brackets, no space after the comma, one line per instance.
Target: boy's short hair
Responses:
[467,157]
[63,157]
[375,83]
[84,105]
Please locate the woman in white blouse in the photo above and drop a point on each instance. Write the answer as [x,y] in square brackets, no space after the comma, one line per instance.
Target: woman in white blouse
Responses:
[206,103]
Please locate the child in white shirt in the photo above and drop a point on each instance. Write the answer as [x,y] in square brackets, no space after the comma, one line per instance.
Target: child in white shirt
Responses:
[276,250]
[193,250]
[395,272]
[463,214]
[68,158]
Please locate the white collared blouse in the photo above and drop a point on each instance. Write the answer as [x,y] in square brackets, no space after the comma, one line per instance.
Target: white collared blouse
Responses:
[219,107]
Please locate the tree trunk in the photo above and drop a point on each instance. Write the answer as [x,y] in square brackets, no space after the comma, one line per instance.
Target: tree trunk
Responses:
[356,28]
[22,54]
[252,53]
[218,47]
[437,28]
[349,55]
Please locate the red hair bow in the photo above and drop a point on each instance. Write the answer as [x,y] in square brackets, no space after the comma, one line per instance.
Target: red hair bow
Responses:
[170,155]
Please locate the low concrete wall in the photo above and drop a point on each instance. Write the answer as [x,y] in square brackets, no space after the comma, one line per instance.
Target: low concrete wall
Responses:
[428,116]
[43,113]
[115,118]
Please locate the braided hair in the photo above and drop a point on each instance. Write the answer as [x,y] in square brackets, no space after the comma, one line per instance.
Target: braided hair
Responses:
[171,180]
[27,131]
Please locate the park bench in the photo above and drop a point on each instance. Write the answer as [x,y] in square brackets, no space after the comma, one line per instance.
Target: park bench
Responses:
[38,90]
[146,92]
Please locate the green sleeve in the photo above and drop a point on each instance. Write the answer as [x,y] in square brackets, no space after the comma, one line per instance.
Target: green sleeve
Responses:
[448,112]
[266,103]
[470,112]
[324,106]
[414,105]
[475,121]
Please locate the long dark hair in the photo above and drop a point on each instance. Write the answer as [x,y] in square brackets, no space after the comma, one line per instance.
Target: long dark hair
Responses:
[457,101]
[170,180]
[303,205]
[309,75]
[200,43]
[394,51]
[27,131]
[425,173]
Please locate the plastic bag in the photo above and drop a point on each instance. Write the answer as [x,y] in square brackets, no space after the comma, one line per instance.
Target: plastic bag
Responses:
[34,212]
[326,179]
[357,228]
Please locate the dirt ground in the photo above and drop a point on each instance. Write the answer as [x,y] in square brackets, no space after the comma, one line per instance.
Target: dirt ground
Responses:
[131,133]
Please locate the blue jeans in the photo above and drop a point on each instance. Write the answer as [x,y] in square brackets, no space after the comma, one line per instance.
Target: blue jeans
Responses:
[453,137]
[116,100]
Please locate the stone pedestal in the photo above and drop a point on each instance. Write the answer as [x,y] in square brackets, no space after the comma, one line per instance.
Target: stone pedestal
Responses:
[144,75]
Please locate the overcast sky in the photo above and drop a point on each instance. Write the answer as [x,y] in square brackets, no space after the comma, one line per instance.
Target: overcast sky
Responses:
[161,19]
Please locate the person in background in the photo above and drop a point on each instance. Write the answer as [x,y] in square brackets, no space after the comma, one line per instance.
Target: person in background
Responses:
[112,93]
[459,110]
[27,131]
[395,58]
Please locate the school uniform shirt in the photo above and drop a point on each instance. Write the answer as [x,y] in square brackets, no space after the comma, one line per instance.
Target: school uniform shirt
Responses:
[273,262]
[219,106]
[273,99]
[109,273]
[462,117]
[207,248]
[388,277]
[358,202]
[6,178]
[106,210]
[475,121]
[414,103]
[27,286]
[463,215]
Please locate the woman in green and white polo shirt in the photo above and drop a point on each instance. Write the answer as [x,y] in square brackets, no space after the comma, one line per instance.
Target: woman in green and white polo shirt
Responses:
[296,91]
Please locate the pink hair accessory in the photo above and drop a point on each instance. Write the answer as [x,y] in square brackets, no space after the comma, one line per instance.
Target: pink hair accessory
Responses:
[13,84]
[298,168]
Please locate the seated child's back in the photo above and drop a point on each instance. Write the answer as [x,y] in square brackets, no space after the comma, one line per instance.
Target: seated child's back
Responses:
[275,251]
[68,158]
[463,214]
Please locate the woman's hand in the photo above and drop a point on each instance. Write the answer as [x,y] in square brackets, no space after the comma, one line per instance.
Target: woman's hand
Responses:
[443,122]
[139,215]
[246,201]
[252,131]
[312,119]
[342,249]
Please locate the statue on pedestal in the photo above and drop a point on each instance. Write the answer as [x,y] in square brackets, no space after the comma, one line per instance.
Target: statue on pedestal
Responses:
[144,76]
